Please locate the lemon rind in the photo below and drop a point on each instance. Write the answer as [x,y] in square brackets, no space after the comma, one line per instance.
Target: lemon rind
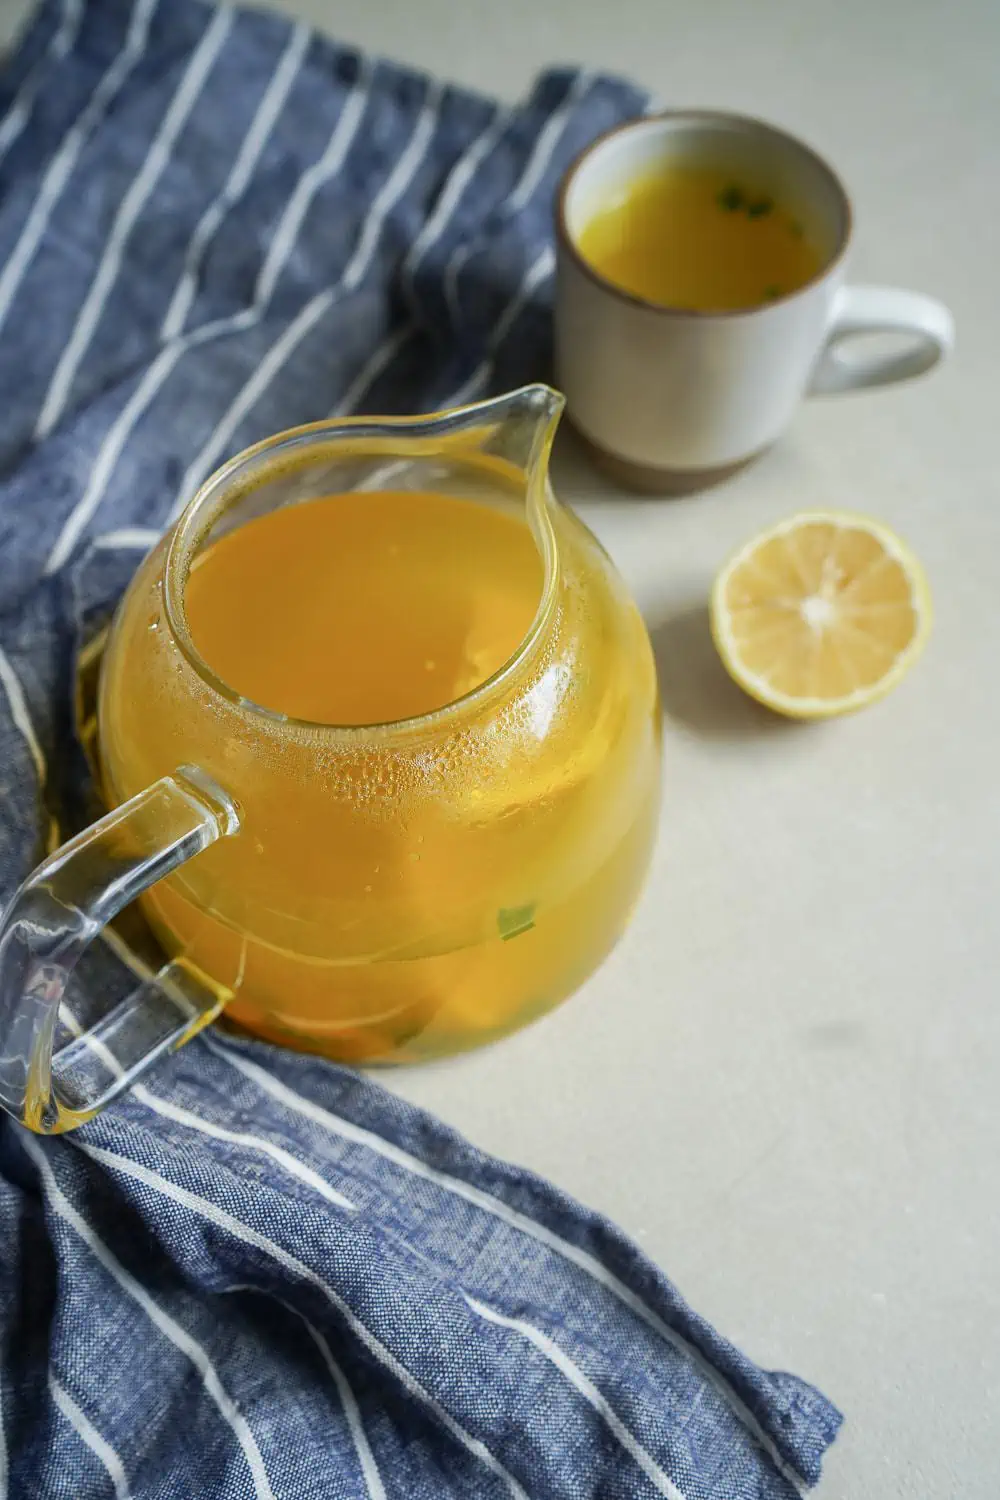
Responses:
[821,708]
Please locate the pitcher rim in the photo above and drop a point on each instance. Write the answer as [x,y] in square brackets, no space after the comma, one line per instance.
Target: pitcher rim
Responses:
[198,516]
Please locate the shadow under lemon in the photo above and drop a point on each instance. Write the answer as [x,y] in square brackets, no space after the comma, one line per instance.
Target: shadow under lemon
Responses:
[695,688]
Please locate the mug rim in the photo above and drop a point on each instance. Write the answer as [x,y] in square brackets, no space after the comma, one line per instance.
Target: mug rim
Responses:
[566,241]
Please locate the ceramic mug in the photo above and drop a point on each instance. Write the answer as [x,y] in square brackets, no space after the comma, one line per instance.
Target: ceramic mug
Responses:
[673,400]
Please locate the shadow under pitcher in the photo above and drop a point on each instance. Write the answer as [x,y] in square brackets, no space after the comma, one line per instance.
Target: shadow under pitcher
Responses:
[377,892]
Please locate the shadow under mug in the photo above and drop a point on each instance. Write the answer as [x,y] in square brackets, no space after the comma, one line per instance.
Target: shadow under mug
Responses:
[672,400]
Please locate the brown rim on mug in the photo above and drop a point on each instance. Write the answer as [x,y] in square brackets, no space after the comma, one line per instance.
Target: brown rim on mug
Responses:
[651,479]
[706,116]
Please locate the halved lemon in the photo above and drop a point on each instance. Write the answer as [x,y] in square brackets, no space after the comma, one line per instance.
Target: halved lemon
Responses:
[821,615]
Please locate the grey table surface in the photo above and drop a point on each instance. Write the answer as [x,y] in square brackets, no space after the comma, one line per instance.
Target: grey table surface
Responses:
[786,1081]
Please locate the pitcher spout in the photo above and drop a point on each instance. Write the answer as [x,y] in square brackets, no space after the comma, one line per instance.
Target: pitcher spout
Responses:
[524,425]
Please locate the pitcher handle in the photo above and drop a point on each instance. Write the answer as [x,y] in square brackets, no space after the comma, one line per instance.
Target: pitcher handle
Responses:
[57,912]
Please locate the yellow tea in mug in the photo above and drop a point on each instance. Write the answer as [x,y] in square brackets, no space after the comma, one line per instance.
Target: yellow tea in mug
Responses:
[699,239]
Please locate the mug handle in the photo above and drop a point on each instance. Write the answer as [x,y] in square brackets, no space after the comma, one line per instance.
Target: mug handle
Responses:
[881,309]
[57,913]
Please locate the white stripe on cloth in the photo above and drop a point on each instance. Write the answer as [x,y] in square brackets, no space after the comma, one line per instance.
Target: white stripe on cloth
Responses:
[278,1154]
[352,1412]
[450,197]
[249,395]
[385,200]
[127,538]
[157,373]
[496,1207]
[61,167]
[186,96]
[250,153]
[249,1236]
[313,178]
[114,443]
[540,270]
[581,1383]
[546,145]
[384,354]
[175,1112]
[527,184]
[18,705]
[448,200]
[170,1329]
[366,1458]
[61,41]
[140,968]
[458,180]
[88,1434]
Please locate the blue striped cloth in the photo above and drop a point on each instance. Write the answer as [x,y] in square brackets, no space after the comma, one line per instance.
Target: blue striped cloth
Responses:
[260,1275]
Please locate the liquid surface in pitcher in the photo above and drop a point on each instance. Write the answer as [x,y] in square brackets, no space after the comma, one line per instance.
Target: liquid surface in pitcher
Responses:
[699,239]
[365,608]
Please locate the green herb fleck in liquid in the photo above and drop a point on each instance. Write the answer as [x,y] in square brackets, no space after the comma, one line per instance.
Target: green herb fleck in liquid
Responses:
[731,199]
[513,920]
[759,207]
[771,292]
[796,228]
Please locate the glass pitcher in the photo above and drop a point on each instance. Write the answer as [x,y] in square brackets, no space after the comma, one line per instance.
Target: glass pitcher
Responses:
[376,893]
